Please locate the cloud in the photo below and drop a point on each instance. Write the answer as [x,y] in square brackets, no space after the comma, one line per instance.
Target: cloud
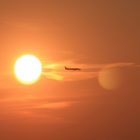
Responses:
[34,108]
[56,71]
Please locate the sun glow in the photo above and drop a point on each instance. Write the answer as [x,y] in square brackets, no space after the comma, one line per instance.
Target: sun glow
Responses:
[28,69]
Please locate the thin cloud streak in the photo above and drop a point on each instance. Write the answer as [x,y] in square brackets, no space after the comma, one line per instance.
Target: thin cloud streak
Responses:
[33,109]
[56,71]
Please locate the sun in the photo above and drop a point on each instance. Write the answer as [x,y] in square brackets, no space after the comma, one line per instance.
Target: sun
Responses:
[28,69]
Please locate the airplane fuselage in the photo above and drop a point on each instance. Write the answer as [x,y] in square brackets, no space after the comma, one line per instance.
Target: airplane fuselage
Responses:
[74,69]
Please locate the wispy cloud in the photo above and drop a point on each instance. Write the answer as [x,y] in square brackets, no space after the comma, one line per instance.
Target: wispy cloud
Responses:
[56,71]
[32,109]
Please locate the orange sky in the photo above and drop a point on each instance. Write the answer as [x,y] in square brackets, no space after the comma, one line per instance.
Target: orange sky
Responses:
[102,101]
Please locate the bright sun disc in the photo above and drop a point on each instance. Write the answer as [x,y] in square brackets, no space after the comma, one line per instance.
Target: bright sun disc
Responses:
[28,69]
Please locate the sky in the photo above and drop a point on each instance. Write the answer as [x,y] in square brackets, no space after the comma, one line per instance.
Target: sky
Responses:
[102,101]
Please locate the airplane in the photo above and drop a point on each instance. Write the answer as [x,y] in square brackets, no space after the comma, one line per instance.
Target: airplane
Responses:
[74,69]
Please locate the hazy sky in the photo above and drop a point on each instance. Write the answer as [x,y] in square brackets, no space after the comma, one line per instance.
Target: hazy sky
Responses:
[102,101]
